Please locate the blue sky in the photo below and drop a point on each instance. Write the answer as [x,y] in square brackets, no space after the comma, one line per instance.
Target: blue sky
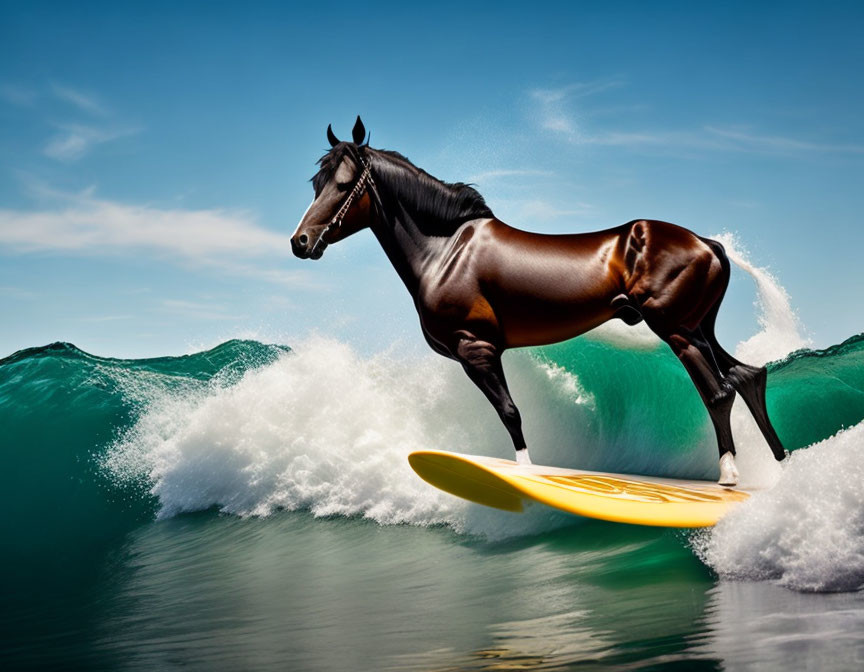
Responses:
[155,156]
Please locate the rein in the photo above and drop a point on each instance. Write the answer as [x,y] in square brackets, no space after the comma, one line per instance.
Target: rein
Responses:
[363,182]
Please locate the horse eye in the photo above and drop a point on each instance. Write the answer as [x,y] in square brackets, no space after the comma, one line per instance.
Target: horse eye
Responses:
[343,186]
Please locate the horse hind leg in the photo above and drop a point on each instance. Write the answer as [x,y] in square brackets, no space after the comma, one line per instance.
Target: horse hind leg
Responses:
[674,313]
[750,382]
[717,394]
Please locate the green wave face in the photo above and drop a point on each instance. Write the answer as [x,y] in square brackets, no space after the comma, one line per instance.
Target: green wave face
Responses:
[812,394]
[645,416]
[646,397]
[59,408]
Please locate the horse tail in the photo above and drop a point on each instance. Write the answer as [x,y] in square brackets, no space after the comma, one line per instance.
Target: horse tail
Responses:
[720,252]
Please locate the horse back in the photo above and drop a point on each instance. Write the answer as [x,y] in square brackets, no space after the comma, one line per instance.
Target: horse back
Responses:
[544,288]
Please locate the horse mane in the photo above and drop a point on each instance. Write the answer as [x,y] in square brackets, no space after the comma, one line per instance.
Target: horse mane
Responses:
[446,204]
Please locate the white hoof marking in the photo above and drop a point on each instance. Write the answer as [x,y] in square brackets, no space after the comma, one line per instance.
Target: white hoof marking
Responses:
[728,470]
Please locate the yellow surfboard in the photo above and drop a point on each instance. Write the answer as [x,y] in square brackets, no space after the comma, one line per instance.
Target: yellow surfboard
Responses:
[641,500]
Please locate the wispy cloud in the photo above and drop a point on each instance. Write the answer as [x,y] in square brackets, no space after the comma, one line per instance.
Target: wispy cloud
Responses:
[575,90]
[198,310]
[76,140]
[72,139]
[105,318]
[28,96]
[228,240]
[83,101]
[556,112]
[17,95]
[16,293]
[490,175]
[712,138]
[658,141]
[552,105]
[541,210]
[754,142]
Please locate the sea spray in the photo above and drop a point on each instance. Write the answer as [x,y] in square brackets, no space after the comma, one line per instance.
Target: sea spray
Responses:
[326,430]
[806,533]
[322,429]
[780,330]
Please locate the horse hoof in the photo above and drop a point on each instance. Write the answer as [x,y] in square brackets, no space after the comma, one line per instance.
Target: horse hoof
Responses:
[728,471]
[522,457]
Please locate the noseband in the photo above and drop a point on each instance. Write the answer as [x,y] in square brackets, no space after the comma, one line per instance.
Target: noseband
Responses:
[363,182]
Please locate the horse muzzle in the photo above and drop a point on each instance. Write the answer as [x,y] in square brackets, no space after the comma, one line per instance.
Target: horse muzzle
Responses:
[303,248]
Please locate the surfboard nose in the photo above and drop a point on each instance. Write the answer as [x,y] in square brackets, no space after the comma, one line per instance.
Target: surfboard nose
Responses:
[465,479]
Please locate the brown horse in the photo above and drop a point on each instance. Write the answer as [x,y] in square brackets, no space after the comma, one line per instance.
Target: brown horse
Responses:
[481,286]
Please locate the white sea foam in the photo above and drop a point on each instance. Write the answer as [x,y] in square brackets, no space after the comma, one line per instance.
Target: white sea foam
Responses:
[321,429]
[327,430]
[806,533]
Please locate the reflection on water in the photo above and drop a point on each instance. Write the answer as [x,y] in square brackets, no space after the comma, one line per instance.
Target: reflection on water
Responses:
[763,626]
[294,592]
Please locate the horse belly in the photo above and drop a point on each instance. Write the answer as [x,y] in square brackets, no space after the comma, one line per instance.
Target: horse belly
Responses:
[542,323]
[544,289]
[547,308]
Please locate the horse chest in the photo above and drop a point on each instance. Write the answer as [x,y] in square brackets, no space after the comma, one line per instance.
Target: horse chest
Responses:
[455,299]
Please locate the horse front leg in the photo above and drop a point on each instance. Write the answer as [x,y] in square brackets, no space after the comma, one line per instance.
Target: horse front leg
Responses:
[482,362]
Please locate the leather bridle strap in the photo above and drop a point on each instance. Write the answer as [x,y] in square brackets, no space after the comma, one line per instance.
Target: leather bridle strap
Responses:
[362,183]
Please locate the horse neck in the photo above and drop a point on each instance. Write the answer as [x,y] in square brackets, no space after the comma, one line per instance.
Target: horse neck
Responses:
[400,233]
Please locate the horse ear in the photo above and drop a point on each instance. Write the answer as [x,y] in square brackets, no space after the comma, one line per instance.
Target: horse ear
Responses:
[331,137]
[359,132]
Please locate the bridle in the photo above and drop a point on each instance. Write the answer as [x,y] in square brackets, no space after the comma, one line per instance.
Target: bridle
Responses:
[363,182]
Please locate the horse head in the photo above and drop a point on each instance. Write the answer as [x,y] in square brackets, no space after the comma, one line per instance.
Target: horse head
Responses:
[342,204]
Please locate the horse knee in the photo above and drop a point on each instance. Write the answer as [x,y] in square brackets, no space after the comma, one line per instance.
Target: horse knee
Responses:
[744,377]
[721,400]
[512,421]
[510,415]
[476,353]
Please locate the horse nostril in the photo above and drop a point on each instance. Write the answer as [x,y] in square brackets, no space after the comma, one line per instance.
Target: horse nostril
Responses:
[303,239]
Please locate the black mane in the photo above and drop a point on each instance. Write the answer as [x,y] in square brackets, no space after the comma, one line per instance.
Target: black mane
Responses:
[448,204]
[330,162]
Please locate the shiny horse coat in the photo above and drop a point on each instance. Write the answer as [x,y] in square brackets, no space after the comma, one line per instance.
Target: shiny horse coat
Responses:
[481,286]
